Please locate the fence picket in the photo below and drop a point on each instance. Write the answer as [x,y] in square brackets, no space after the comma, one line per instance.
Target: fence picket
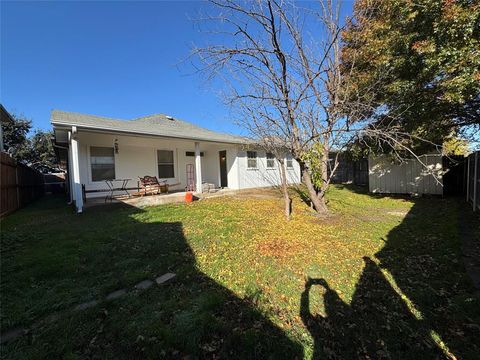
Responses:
[473,180]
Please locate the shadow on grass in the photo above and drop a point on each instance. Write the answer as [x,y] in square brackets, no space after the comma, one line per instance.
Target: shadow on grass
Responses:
[414,302]
[194,317]
[413,299]
[302,193]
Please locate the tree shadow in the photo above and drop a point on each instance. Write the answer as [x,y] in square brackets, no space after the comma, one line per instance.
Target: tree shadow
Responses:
[302,193]
[203,318]
[376,324]
[358,189]
[416,302]
[423,256]
[193,317]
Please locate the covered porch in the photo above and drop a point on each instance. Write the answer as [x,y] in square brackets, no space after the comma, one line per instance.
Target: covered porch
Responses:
[106,164]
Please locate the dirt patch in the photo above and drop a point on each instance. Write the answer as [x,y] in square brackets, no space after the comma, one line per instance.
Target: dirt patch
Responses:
[331,219]
[279,249]
[257,196]
[401,213]
[371,218]
[264,193]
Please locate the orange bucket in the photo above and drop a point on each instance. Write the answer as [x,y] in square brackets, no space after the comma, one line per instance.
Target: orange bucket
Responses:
[188,197]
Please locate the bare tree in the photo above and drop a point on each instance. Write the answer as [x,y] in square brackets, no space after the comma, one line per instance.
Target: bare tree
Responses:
[284,75]
[276,148]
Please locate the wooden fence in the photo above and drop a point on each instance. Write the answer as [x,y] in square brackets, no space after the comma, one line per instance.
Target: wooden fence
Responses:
[350,171]
[473,180]
[20,185]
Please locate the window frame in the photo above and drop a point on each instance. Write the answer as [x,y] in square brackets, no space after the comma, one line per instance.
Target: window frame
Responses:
[289,158]
[90,172]
[252,158]
[174,162]
[272,158]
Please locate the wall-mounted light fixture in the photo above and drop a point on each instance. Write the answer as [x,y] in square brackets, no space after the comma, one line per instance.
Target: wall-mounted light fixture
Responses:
[115,144]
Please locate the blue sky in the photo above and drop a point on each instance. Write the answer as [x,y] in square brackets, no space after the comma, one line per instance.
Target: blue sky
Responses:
[115,59]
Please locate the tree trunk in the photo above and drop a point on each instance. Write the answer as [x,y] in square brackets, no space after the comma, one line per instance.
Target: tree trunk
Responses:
[322,201]
[324,170]
[318,202]
[286,197]
[325,178]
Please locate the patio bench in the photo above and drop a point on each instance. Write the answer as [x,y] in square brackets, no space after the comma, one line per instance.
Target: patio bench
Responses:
[151,185]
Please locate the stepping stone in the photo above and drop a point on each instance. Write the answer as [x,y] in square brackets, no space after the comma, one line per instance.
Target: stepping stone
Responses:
[11,335]
[86,305]
[164,278]
[143,285]
[116,294]
[52,318]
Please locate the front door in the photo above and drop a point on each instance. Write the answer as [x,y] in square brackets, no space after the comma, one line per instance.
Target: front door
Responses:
[223,168]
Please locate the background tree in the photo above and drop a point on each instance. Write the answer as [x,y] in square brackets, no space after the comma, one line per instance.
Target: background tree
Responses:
[41,154]
[35,150]
[455,146]
[425,57]
[15,130]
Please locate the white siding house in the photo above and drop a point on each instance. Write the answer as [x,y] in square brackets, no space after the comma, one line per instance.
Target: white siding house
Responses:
[409,177]
[101,149]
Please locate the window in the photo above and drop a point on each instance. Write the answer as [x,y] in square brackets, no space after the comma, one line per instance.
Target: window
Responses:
[270,160]
[165,164]
[289,162]
[252,159]
[102,162]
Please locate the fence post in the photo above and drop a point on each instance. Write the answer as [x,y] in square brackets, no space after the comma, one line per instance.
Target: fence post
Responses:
[475,175]
[468,179]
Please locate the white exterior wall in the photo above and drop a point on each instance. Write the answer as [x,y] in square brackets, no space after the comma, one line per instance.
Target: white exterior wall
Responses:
[137,156]
[409,177]
[232,169]
[263,176]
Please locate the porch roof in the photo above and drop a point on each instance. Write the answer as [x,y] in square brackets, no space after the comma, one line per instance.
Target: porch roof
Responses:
[153,125]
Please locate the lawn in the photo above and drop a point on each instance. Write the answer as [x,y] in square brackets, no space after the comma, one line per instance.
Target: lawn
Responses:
[381,277]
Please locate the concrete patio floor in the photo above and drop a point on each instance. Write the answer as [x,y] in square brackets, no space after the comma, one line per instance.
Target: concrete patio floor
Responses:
[153,200]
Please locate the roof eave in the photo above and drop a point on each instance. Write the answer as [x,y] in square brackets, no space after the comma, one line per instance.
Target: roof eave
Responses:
[141,133]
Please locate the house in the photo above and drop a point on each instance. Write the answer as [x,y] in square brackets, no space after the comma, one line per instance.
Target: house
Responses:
[99,149]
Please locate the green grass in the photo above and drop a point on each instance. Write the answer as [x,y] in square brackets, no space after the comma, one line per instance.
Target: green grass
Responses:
[381,277]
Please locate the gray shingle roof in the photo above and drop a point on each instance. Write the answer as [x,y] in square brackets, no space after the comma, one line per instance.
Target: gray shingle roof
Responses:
[157,125]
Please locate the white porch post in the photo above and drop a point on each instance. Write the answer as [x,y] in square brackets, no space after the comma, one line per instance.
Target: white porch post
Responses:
[77,186]
[198,168]
[70,170]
